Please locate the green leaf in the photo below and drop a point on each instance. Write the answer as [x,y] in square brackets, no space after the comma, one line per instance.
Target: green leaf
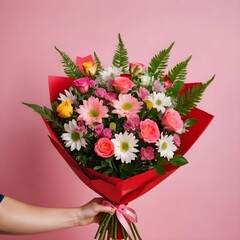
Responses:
[70,68]
[109,161]
[120,58]
[43,111]
[178,161]
[159,169]
[159,62]
[108,171]
[46,113]
[190,122]
[98,62]
[162,161]
[187,101]
[97,168]
[178,75]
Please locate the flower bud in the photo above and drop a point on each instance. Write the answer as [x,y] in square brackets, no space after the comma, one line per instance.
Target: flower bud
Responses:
[65,109]
[113,126]
[90,68]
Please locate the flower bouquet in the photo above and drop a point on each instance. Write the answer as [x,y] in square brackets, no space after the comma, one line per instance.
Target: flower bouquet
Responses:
[123,129]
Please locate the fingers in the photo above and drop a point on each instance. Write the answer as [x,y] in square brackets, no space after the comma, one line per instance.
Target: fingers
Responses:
[106,209]
[97,204]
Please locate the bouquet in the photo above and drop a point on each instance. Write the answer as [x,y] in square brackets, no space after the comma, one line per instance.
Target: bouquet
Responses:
[123,129]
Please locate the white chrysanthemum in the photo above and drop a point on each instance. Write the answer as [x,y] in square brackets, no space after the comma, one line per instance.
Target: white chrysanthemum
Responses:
[166,146]
[160,101]
[73,137]
[110,73]
[124,147]
[68,95]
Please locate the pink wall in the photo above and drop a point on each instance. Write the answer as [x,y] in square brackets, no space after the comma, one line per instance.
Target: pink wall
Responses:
[201,201]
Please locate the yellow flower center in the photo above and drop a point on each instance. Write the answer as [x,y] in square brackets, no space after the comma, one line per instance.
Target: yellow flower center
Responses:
[127,106]
[164,146]
[124,146]
[158,102]
[93,113]
[75,136]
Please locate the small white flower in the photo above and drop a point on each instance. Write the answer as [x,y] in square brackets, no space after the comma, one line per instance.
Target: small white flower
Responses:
[166,146]
[68,95]
[159,101]
[73,137]
[124,147]
[145,80]
[110,73]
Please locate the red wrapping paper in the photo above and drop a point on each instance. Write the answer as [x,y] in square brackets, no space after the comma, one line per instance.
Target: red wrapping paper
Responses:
[117,190]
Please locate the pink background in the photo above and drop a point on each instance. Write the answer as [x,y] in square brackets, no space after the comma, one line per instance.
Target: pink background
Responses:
[201,201]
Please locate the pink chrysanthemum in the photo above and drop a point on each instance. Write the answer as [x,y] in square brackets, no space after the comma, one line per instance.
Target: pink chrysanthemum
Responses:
[92,111]
[126,106]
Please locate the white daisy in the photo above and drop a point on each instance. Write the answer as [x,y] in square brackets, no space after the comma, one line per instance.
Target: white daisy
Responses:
[68,95]
[110,73]
[124,147]
[73,137]
[159,101]
[166,146]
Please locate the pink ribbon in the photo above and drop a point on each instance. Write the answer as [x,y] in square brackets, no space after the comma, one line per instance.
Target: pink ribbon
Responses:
[124,214]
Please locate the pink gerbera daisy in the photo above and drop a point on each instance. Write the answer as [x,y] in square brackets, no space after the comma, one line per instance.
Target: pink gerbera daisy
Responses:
[92,111]
[126,105]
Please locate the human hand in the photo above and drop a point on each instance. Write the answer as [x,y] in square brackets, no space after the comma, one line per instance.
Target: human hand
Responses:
[91,212]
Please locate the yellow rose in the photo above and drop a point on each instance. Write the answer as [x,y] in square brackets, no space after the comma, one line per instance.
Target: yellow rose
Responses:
[90,68]
[65,109]
[149,104]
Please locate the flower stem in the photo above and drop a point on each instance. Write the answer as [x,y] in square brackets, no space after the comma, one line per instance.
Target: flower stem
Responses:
[104,230]
[133,232]
[105,216]
[136,231]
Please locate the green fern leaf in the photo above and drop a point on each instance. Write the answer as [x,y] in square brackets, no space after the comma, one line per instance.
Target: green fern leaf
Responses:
[98,62]
[46,113]
[178,75]
[159,62]
[70,68]
[187,101]
[120,58]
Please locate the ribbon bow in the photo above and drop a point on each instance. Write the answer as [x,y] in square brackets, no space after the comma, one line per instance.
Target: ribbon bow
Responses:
[124,214]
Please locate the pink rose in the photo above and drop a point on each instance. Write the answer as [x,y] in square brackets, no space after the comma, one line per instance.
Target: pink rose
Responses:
[149,131]
[107,133]
[138,66]
[83,84]
[172,121]
[104,148]
[147,153]
[177,140]
[122,84]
